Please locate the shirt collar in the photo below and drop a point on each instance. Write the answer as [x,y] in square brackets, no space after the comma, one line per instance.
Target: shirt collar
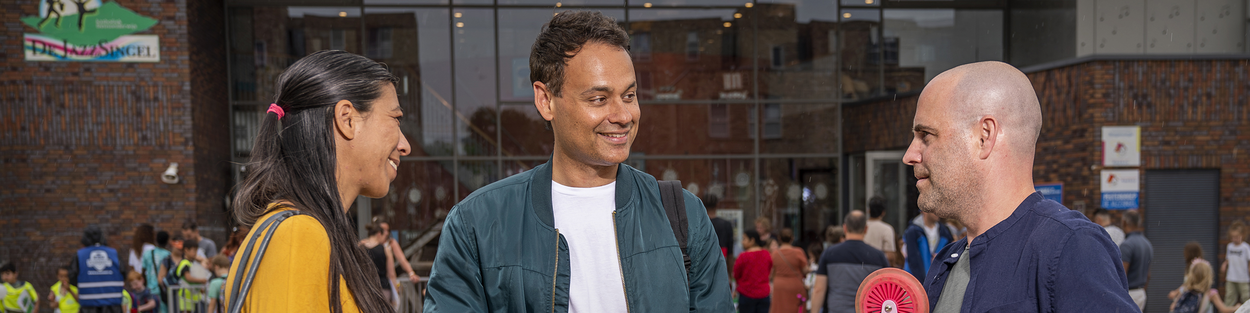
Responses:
[1025,207]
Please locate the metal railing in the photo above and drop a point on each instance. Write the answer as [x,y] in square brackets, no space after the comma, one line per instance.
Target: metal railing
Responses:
[194,298]
[187,298]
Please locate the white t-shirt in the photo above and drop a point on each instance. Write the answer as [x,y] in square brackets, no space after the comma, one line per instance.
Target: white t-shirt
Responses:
[584,217]
[880,235]
[932,234]
[1237,256]
[1117,234]
[135,261]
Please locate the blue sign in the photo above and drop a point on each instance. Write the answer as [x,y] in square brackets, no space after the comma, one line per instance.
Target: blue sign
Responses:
[1051,191]
[1119,200]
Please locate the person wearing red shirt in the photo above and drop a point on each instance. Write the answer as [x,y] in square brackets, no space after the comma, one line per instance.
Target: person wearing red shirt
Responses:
[751,271]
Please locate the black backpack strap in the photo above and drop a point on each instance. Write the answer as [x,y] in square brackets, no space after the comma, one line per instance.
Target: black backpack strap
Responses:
[675,206]
[240,286]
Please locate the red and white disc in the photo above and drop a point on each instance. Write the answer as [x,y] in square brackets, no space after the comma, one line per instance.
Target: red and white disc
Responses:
[891,290]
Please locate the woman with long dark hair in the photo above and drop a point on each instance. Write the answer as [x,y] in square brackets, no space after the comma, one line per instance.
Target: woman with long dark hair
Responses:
[332,134]
[142,241]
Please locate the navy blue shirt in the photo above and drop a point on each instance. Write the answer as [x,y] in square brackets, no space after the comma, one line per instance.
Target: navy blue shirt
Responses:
[1137,251]
[1043,258]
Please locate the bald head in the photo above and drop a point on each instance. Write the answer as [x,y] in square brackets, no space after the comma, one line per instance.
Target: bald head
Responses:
[973,91]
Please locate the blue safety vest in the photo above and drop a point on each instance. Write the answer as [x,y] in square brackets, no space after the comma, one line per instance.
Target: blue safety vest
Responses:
[99,277]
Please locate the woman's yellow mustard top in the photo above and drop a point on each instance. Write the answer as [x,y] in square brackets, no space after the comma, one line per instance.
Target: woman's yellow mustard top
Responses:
[293,274]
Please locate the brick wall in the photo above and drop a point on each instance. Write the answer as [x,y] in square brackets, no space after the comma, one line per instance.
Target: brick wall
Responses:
[84,143]
[1194,114]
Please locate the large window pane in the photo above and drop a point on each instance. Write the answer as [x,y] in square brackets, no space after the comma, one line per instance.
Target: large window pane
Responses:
[691,54]
[476,174]
[420,196]
[525,132]
[672,3]
[475,81]
[1043,31]
[518,28]
[801,128]
[553,3]
[728,179]
[266,40]
[800,194]
[413,44]
[796,48]
[925,42]
[683,129]
[862,53]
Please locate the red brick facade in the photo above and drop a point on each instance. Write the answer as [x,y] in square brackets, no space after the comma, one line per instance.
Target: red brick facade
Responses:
[84,143]
[1193,115]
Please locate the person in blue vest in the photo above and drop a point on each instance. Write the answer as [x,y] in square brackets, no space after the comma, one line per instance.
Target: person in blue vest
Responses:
[98,275]
[924,237]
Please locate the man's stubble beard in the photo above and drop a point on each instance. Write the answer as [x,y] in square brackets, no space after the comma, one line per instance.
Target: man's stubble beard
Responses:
[956,195]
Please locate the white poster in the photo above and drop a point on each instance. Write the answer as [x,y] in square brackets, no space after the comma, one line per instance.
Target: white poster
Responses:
[1121,146]
[733,216]
[1120,189]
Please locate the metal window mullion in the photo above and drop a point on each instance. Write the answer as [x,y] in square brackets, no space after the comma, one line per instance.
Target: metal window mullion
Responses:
[498,99]
[759,112]
[455,138]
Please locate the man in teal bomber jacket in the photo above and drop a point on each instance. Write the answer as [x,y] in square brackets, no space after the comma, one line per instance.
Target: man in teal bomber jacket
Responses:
[582,233]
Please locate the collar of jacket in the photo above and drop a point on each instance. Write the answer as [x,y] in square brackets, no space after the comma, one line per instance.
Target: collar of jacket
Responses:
[540,191]
[1026,207]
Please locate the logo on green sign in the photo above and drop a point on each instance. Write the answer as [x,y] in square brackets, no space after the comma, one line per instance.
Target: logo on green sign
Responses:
[89,30]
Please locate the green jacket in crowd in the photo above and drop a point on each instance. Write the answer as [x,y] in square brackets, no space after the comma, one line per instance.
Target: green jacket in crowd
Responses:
[499,251]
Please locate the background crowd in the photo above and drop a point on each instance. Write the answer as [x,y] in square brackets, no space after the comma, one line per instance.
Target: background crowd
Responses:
[771,274]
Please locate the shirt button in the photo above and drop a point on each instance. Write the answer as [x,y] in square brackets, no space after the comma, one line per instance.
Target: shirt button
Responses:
[954,255]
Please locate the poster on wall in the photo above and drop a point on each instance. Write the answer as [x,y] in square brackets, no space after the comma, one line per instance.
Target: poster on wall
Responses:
[735,217]
[1050,191]
[1121,146]
[1120,189]
[89,31]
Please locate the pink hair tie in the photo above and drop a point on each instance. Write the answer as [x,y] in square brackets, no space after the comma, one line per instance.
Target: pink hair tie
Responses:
[275,109]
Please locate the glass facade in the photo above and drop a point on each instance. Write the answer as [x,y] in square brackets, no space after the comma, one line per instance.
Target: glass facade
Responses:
[739,99]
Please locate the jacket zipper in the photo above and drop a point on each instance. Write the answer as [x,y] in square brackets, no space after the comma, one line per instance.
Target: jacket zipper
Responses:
[555,274]
[618,260]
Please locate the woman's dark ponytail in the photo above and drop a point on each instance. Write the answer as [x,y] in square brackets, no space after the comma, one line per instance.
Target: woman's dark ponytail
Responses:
[293,160]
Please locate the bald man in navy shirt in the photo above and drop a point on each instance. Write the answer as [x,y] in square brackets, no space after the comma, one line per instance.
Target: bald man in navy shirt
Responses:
[975,133]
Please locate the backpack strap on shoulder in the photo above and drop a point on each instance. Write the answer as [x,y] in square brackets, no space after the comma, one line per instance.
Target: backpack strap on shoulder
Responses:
[671,194]
[241,285]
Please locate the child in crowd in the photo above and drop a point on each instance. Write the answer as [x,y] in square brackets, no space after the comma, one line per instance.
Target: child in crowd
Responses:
[140,297]
[188,298]
[1236,266]
[19,296]
[64,297]
[1193,254]
[751,271]
[165,276]
[220,268]
[1196,295]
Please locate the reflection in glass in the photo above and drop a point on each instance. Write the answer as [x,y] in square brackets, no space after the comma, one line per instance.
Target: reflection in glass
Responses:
[691,54]
[703,129]
[265,40]
[518,28]
[796,49]
[476,174]
[421,195]
[525,132]
[475,81]
[728,179]
[412,43]
[861,53]
[922,43]
[800,128]
[800,194]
